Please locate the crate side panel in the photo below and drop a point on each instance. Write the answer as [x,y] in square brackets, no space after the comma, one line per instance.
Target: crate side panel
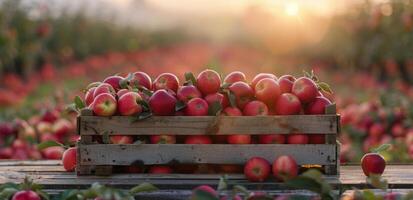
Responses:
[113,154]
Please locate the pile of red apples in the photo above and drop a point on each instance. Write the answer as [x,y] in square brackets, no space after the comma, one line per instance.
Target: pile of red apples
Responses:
[234,95]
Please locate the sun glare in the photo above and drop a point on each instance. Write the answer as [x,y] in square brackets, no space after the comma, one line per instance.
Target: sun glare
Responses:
[291,9]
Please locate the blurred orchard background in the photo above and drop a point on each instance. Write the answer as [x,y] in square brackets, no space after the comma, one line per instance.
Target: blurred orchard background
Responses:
[51,49]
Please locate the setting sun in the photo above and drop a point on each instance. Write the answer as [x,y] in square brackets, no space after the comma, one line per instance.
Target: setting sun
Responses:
[291,9]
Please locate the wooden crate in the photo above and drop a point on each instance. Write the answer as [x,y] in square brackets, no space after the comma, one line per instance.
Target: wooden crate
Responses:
[100,158]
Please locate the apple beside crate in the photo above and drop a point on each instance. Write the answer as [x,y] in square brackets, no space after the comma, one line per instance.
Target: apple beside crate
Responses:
[99,159]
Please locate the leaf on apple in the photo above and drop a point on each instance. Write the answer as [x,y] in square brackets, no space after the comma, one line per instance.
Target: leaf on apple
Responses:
[146,91]
[141,116]
[190,78]
[79,103]
[215,109]
[180,105]
[48,144]
[145,105]
[225,85]
[124,83]
[71,108]
[231,98]
[325,87]
[143,187]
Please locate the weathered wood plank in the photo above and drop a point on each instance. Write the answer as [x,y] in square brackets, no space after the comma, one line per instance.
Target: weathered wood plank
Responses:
[108,154]
[224,125]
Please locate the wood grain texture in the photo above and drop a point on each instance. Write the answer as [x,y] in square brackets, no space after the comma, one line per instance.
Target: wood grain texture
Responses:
[52,175]
[210,125]
[115,154]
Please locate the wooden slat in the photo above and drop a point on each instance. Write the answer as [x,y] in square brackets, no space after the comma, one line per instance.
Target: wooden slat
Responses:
[225,125]
[109,154]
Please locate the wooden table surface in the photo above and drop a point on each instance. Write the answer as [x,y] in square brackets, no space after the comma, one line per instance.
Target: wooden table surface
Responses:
[51,175]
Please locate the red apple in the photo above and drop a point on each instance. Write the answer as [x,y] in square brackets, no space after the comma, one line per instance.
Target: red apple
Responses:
[6,153]
[243,93]
[409,137]
[373,163]
[19,144]
[392,196]
[26,195]
[317,106]
[121,139]
[284,168]
[267,90]
[287,104]
[102,89]
[272,139]
[50,116]
[121,92]
[257,169]
[141,79]
[204,188]
[398,130]
[158,169]
[254,108]
[198,139]
[69,159]
[376,130]
[232,111]
[162,103]
[217,97]
[260,76]
[286,83]
[297,139]
[239,139]
[188,92]
[235,77]
[104,105]
[89,96]
[208,82]
[53,153]
[166,81]
[62,127]
[317,139]
[113,81]
[163,139]
[196,107]
[305,89]
[129,104]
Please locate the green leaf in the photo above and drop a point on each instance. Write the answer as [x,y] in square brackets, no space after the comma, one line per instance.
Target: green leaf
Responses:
[180,105]
[306,74]
[144,105]
[7,193]
[71,108]
[369,195]
[124,83]
[190,78]
[142,116]
[223,183]
[146,91]
[203,195]
[383,147]
[215,109]
[225,85]
[79,103]
[232,99]
[43,195]
[325,87]
[48,144]
[241,189]
[143,187]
